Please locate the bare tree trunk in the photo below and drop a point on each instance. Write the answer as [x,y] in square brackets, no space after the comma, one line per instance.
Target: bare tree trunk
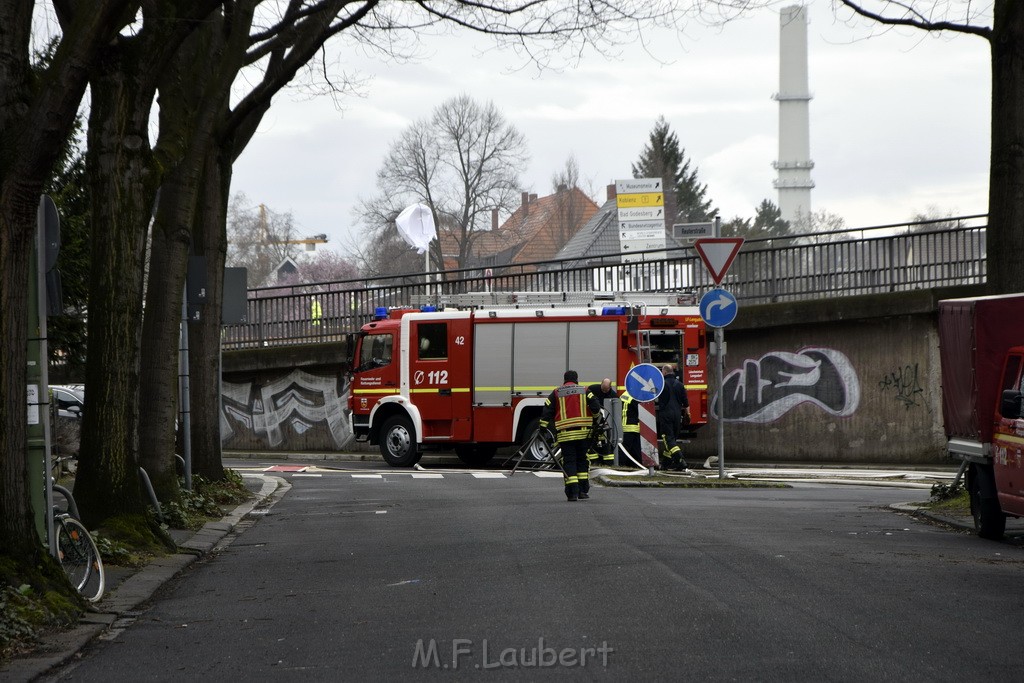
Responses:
[1005,248]
[18,536]
[161,331]
[204,335]
[125,175]
[37,113]
[189,100]
[120,166]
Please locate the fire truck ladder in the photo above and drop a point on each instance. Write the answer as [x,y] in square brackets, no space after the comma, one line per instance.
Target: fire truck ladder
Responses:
[552,299]
[643,346]
[516,299]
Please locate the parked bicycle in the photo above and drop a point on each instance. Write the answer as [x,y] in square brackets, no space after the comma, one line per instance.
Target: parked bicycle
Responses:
[76,550]
[62,466]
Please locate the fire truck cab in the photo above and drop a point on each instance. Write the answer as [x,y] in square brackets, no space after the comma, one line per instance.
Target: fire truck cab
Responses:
[472,372]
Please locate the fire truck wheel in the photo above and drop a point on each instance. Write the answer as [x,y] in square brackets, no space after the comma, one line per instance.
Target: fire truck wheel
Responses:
[989,520]
[540,447]
[398,442]
[475,456]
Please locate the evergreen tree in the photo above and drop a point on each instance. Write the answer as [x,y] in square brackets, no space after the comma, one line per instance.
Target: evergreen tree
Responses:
[663,158]
[767,222]
[69,190]
[66,332]
[737,227]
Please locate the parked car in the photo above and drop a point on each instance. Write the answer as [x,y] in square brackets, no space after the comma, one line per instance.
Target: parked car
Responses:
[70,399]
[70,402]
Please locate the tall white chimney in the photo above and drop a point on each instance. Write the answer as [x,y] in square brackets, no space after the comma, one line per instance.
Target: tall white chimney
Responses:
[794,163]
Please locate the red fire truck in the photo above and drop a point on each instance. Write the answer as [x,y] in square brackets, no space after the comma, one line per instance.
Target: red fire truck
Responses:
[472,373]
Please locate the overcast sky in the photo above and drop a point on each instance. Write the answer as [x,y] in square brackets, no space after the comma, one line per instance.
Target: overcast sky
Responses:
[899,120]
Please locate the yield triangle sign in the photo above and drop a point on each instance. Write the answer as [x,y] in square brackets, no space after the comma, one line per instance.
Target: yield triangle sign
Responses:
[718,253]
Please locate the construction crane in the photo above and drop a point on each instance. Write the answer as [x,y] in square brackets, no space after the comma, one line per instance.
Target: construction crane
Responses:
[310,242]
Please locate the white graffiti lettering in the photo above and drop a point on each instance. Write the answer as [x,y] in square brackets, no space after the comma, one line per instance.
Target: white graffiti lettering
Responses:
[297,401]
[767,388]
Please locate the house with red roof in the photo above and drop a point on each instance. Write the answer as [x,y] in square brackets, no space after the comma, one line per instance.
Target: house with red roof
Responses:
[535,231]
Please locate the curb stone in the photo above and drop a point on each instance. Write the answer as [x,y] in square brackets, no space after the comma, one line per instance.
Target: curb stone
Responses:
[916,511]
[120,606]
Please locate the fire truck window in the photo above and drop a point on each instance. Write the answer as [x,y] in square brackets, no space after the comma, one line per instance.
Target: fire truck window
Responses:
[376,351]
[1010,376]
[433,340]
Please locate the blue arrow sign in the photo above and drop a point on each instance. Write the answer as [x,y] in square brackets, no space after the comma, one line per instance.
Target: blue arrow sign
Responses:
[644,382]
[718,308]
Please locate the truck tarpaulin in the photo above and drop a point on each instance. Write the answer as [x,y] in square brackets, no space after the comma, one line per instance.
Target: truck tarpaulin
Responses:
[975,335]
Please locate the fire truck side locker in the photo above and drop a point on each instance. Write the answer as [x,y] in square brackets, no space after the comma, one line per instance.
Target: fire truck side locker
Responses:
[518,363]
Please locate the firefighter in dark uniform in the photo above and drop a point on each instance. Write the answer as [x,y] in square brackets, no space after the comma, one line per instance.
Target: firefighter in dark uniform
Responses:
[630,429]
[571,410]
[673,405]
[600,451]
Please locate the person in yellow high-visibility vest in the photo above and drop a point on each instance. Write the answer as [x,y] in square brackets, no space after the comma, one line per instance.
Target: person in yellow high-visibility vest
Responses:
[315,312]
[569,412]
[630,429]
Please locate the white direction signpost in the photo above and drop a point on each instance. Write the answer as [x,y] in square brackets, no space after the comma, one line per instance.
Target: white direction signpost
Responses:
[638,186]
[641,205]
[718,308]
[642,213]
[645,234]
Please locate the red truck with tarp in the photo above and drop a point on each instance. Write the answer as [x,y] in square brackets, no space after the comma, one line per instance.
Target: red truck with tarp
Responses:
[981,349]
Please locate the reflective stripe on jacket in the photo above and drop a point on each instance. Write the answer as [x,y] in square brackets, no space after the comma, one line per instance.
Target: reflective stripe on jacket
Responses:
[630,418]
[572,408]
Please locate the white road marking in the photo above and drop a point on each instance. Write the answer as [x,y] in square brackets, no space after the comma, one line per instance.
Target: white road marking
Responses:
[550,475]
[489,475]
[426,475]
[367,476]
[302,474]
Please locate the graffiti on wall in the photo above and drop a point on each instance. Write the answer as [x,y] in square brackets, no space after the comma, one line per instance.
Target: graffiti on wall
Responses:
[296,402]
[765,389]
[903,384]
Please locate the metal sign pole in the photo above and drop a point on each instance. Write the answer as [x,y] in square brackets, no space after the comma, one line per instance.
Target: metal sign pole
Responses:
[183,394]
[720,352]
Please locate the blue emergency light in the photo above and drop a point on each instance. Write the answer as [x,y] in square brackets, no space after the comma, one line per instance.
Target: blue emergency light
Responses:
[613,310]
[428,309]
[380,312]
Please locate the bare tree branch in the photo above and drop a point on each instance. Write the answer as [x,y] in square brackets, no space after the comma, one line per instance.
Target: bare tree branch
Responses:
[907,14]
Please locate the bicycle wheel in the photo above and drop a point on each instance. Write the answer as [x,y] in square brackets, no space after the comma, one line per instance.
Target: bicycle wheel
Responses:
[80,558]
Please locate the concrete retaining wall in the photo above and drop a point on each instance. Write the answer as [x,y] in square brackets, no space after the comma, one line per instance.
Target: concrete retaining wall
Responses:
[846,380]
[287,399]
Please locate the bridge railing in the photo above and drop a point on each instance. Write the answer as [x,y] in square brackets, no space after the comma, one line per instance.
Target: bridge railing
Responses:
[886,258]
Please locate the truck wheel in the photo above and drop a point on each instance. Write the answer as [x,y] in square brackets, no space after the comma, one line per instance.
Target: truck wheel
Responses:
[989,520]
[398,442]
[475,456]
[539,449]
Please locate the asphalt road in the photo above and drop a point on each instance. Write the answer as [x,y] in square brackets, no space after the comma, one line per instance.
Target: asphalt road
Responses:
[458,576]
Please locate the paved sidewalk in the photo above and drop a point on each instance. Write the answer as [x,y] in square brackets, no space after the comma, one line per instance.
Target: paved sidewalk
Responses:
[128,589]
